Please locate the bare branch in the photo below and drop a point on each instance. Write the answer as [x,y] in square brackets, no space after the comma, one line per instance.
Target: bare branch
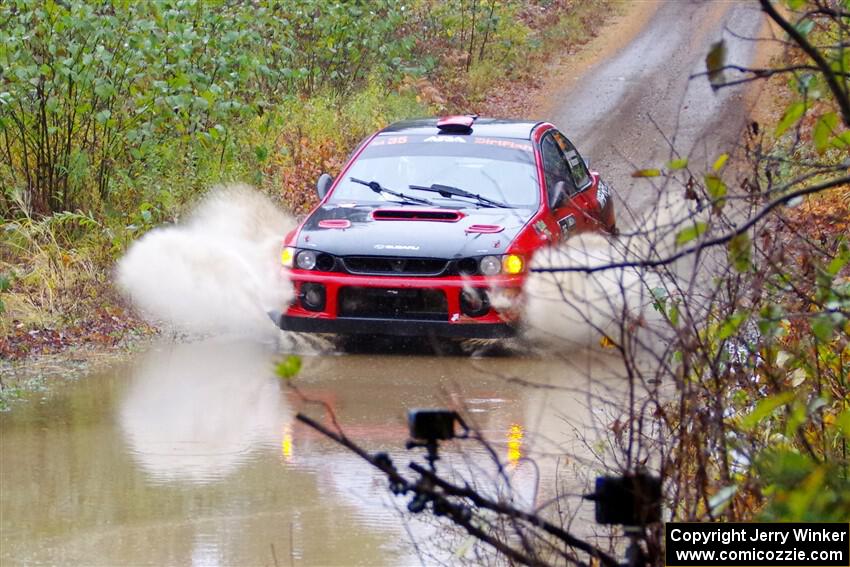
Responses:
[504,509]
[760,73]
[829,75]
[752,221]
[459,514]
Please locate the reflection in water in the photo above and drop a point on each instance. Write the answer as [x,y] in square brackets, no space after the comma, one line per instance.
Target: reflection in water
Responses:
[205,554]
[194,412]
[193,447]
[514,443]
[286,443]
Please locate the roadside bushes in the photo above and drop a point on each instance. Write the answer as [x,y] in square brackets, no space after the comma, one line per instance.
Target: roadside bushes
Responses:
[89,89]
[93,95]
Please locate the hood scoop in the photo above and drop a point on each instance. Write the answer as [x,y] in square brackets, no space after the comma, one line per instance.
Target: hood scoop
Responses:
[334,223]
[417,215]
[484,228]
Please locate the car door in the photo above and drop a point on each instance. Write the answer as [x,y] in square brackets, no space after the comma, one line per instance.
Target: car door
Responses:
[565,214]
[584,184]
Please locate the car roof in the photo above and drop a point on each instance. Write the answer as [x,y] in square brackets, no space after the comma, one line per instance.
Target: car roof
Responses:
[491,127]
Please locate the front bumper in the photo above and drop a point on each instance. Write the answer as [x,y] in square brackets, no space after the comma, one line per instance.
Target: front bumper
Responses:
[333,319]
[396,327]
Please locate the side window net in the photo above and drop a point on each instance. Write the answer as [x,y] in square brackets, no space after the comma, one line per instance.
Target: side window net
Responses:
[554,165]
[578,169]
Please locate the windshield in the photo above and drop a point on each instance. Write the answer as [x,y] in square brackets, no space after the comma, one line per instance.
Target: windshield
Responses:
[500,169]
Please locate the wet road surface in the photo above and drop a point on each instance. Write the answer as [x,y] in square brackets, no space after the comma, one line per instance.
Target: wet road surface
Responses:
[625,111]
[189,455]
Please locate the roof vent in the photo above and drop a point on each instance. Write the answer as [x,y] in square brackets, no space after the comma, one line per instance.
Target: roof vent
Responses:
[458,124]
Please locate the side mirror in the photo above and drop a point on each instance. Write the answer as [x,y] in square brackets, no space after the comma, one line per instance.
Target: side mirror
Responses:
[586,163]
[556,198]
[323,184]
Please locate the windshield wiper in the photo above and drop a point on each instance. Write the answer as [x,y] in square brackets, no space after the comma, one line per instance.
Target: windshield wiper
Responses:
[376,187]
[449,191]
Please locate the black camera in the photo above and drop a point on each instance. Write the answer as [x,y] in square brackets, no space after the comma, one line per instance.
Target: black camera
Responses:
[432,424]
[629,500]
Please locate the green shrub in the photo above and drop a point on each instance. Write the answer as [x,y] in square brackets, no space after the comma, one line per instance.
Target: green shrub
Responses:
[92,88]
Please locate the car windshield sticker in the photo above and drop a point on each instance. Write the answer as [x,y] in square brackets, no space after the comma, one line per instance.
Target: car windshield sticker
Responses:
[501,149]
[388,141]
[450,139]
[502,143]
[573,157]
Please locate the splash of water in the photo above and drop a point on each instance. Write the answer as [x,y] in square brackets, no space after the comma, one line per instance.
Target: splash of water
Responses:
[216,272]
[575,308]
[578,308]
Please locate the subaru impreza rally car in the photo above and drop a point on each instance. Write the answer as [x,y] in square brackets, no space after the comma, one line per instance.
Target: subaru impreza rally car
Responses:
[429,219]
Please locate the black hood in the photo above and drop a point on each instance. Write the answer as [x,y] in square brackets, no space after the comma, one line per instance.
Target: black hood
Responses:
[387,230]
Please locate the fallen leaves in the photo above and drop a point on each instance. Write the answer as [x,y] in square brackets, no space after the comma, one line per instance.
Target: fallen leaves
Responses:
[107,327]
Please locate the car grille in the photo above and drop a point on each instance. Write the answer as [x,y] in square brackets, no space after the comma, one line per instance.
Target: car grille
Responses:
[394,265]
[387,303]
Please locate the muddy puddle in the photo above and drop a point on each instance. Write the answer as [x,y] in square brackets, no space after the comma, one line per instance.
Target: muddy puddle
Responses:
[190,454]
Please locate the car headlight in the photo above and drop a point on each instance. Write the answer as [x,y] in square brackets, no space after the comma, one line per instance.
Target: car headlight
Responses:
[286,256]
[490,265]
[306,260]
[512,264]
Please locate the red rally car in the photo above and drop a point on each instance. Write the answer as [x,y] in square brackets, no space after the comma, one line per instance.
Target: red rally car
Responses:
[430,221]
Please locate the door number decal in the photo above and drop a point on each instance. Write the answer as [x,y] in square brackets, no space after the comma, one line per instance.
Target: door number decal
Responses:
[567,223]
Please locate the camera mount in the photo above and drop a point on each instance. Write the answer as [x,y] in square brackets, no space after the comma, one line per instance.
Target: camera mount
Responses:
[632,500]
[429,426]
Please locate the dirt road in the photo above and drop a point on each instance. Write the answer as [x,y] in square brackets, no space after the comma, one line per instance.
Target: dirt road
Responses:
[624,110]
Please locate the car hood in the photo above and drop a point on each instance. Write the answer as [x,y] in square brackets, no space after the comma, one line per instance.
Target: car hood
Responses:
[384,231]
